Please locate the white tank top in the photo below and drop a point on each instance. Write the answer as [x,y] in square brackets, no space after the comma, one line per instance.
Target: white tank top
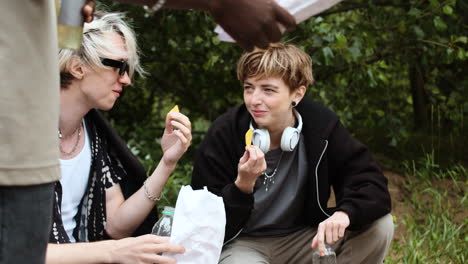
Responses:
[75,174]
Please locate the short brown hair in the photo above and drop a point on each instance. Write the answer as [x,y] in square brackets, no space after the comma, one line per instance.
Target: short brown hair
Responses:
[285,61]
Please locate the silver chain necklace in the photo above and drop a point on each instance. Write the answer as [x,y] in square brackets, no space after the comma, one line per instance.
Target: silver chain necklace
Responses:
[269,178]
[74,146]
[61,136]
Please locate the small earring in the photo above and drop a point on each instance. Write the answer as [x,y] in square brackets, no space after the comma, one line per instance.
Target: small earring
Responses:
[293,103]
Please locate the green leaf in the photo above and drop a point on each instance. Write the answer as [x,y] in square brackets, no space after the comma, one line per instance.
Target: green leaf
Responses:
[462,39]
[402,27]
[324,28]
[215,40]
[434,3]
[461,54]
[414,12]
[322,94]
[341,41]
[198,39]
[172,43]
[317,41]
[409,99]
[355,50]
[211,62]
[371,77]
[380,113]
[448,10]
[329,38]
[439,24]
[383,77]
[419,32]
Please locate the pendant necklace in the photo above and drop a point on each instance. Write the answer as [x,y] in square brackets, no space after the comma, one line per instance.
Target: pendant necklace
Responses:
[270,178]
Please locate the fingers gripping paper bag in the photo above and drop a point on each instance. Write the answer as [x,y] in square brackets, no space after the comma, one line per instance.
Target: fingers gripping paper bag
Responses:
[199,222]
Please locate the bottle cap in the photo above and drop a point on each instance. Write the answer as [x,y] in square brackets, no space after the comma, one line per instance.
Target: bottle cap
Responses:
[168,210]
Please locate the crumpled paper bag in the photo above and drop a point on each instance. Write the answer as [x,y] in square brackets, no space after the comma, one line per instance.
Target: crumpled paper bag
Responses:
[300,9]
[198,225]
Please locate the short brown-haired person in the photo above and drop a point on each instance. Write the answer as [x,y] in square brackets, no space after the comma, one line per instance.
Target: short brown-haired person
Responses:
[276,190]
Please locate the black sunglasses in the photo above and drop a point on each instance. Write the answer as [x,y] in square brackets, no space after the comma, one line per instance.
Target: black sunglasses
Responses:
[121,65]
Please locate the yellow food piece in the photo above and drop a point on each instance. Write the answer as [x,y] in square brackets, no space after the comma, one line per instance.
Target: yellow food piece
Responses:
[248,137]
[175,109]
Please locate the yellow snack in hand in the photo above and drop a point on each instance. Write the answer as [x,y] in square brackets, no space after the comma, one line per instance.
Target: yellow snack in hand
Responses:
[175,109]
[248,137]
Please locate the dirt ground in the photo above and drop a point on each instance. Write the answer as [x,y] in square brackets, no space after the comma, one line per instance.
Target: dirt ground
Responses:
[399,208]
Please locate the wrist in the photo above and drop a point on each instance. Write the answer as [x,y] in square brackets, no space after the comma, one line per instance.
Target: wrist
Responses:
[244,186]
[168,165]
[111,251]
[343,213]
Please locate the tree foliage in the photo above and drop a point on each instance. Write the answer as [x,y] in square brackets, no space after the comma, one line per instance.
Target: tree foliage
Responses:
[394,70]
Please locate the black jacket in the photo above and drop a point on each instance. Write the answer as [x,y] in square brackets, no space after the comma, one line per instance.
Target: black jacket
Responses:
[340,160]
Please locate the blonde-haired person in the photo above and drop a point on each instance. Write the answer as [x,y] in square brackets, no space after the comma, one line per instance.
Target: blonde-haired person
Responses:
[276,190]
[101,194]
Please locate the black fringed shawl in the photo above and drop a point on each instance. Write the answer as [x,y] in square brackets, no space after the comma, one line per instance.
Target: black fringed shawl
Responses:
[112,162]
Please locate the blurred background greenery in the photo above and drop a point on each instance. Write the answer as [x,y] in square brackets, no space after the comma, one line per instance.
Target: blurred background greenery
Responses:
[395,71]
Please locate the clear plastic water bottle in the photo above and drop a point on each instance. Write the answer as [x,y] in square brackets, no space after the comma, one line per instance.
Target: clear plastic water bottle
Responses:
[163,226]
[328,258]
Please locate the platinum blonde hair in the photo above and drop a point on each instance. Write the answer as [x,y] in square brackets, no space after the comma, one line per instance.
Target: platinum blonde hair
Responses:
[97,44]
[285,61]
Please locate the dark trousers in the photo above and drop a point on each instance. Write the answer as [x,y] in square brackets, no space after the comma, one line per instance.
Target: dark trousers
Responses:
[25,222]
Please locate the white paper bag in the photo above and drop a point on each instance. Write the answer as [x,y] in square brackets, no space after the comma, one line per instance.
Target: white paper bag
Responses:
[300,9]
[198,225]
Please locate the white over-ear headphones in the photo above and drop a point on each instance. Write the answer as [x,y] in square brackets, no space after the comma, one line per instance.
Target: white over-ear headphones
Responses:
[289,138]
